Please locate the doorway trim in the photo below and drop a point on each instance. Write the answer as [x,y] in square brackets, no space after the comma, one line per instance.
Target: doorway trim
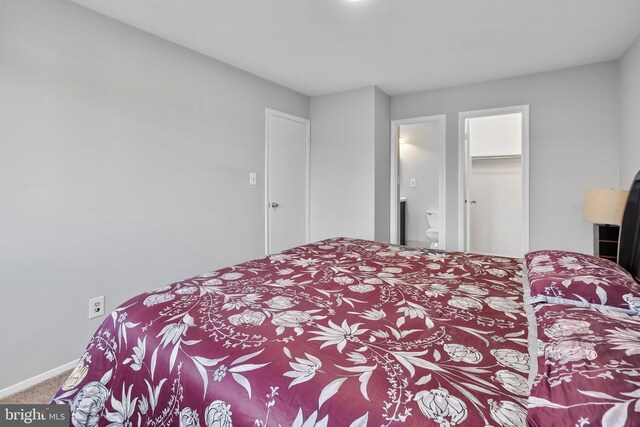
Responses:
[394,224]
[275,113]
[463,154]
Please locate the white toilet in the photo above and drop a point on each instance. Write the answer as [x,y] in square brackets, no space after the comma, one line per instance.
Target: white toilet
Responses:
[432,233]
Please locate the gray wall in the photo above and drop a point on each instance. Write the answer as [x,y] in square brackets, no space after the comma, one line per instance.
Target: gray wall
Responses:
[575,140]
[382,165]
[345,140]
[630,101]
[124,163]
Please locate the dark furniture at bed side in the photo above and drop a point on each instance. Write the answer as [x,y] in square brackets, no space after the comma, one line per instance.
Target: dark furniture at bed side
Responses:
[629,248]
[605,241]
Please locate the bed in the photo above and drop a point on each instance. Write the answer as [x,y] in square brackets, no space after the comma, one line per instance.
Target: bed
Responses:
[348,332]
[588,327]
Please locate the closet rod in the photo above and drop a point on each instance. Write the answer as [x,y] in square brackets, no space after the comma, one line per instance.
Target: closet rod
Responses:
[511,156]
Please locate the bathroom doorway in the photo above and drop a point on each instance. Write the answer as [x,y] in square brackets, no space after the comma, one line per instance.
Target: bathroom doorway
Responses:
[494,176]
[418,182]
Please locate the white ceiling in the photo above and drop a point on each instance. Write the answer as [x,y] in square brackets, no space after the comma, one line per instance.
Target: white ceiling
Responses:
[401,46]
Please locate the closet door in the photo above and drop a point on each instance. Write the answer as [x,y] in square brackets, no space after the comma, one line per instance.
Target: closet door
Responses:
[287,181]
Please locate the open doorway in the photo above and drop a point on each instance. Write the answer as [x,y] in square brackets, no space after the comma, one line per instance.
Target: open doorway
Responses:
[494,176]
[418,182]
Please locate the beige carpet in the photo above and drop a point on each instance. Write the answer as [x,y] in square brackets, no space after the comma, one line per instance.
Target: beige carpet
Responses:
[39,393]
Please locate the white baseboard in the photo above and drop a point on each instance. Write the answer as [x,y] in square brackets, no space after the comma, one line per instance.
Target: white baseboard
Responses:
[23,385]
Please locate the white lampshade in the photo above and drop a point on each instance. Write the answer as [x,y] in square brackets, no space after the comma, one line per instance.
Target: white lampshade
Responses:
[604,206]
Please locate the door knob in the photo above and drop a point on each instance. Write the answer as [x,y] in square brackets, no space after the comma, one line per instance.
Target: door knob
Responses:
[473,202]
[274,205]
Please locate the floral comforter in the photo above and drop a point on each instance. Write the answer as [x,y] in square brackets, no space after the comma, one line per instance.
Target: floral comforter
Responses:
[588,368]
[337,333]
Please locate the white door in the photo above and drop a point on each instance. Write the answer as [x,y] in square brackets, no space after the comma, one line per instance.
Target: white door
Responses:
[287,181]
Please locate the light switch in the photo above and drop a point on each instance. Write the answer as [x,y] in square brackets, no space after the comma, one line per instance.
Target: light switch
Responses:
[253,179]
[413,182]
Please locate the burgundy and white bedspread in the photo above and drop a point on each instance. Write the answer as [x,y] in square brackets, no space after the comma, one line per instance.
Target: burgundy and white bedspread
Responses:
[588,368]
[337,333]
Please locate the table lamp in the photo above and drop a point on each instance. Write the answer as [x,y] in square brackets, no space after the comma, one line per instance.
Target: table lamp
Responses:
[604,207]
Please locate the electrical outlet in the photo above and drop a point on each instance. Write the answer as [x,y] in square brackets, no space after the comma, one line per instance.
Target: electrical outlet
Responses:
[253,178]
[412,182]
[96,307]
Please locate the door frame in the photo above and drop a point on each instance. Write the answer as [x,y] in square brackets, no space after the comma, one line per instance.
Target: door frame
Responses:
[394,224]
[269,112]
[463,169]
